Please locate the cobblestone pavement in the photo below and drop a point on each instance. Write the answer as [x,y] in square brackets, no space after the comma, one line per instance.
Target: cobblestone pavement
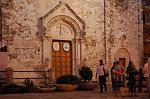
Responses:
[73,95]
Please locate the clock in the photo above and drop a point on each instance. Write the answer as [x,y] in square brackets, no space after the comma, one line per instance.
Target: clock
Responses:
[66,46]
[55,46]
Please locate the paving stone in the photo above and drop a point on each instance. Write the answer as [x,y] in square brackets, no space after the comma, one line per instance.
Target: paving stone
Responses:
[74,95]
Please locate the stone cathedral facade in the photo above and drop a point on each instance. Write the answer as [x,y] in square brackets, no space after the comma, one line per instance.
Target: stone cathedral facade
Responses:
[66,34]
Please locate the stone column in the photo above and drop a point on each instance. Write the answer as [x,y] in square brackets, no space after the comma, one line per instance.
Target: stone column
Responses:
[9,75]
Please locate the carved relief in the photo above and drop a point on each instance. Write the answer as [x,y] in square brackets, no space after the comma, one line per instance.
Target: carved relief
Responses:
[89,41]
[122,53]
[63,9]
[121,5]
[62,30]
[27,54]
[121,2]
[65,19]
[123,40]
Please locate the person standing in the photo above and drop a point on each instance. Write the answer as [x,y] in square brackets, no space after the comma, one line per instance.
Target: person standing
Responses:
[119,78]
[141,78]
[100,73]
[113,77]
[127,72]
[129,68]
[146,72]
[133,78]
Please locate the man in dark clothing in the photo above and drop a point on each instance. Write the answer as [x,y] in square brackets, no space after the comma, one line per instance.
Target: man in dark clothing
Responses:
[141,78]
[127,72]
[133,77]
[129,68]
[113,77]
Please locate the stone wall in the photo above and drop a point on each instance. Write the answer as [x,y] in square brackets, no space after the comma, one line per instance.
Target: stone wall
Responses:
[124,29]
[20,31]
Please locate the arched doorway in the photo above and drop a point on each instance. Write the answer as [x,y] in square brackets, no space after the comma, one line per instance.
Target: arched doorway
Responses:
[62,32]
[62,44]
[123,56]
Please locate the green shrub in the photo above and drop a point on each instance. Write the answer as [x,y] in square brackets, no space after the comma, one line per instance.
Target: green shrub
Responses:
[86,73]
[68,79]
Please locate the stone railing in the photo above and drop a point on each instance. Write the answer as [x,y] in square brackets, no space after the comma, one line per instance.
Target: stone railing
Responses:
[8,75]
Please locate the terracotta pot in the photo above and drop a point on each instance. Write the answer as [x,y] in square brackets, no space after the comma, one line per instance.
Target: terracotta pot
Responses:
[47,90]
[65,87]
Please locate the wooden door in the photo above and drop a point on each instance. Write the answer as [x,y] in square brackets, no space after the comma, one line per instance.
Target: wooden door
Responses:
[122,62]
[61,57]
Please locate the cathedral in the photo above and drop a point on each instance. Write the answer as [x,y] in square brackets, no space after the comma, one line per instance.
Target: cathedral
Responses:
[63,35]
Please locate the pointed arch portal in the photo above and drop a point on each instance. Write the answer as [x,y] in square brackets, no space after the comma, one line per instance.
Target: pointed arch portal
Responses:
[61,42]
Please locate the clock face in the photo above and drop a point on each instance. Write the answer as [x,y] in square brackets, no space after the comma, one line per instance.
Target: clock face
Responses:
[56,46]
[66,46]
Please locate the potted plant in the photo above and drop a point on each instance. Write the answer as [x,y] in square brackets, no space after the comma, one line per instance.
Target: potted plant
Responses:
[49,88]
[86,74]
[45,85]
[29,86]
[67,83]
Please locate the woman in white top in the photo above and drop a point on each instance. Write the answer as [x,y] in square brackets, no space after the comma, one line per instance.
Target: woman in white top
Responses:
[101,75]
[146,71]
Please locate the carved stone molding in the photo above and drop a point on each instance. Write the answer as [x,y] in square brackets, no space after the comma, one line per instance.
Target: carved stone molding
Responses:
[121,2]
[121,5]
[66,19]
[122,53]
[75,21]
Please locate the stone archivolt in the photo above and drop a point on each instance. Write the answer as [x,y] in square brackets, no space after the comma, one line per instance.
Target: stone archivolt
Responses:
[121,5]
